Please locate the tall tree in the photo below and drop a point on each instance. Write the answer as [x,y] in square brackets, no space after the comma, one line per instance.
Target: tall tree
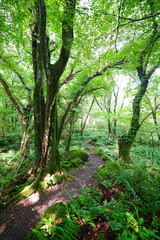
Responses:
[50,158]
[145,69]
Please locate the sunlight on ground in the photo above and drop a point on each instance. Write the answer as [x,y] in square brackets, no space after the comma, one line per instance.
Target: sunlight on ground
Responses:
[34,198]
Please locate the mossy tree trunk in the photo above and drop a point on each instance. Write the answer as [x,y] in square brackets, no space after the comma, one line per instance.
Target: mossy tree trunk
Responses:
[38,98]
[26,134]
[70,128]
[49,158]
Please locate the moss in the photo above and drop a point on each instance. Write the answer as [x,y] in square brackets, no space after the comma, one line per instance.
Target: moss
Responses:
[50,180]
[106,157]
[56,211]
[27,191]
[73,163]
[111,168]
[107,173]
[78,153]
[48,218]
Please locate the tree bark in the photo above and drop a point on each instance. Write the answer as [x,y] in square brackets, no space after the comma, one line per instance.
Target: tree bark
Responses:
[38,98]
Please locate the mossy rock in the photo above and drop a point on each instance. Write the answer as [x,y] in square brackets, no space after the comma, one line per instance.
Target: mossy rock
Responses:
[56,211]
[109,170]
[78,153]
[107,174]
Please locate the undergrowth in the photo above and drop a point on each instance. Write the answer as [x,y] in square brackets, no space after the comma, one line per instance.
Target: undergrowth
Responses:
[124,207]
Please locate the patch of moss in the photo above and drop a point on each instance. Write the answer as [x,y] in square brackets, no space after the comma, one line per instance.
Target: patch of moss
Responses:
[50,180]
[107,174]
[78,153]
[56,211]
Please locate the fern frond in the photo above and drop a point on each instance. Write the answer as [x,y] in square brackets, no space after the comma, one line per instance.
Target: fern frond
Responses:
[37,235]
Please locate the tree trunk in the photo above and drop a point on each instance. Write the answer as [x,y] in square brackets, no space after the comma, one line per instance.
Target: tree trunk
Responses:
[154,114]
[38,99]
[63,120]
[85,121]
[69,135]
[124,149]
[114,128]
[26,134]
[50,156]
[53,156]
[108,120]
[125,142]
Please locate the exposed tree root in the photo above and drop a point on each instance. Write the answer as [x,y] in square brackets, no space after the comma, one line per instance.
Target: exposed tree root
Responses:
[27,191]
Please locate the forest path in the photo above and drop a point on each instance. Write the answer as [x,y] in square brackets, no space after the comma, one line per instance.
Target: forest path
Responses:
[17,220]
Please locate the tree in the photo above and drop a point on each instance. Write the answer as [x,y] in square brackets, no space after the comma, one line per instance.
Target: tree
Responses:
[145,69]
[49,154]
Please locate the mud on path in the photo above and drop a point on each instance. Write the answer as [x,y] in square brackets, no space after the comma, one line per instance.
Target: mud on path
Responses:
[17,219]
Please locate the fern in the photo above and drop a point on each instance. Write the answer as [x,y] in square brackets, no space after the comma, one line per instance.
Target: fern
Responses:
[67,229]
[35,235]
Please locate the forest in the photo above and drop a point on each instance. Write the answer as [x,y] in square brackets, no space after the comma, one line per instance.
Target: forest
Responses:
[80,120]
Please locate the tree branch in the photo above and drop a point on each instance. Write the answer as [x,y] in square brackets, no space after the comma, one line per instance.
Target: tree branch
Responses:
[153,110]
[12,98]
[70,77]
[125,18]
[17,73]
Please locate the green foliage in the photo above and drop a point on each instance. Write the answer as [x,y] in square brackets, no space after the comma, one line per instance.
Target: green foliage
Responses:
[67,229]
[75,158]
[55,224]
[105,153]
[10,142]
[107,174]
[128,205]
[140,183]
[87,206]
[78,153]
[35,235]
[142,152]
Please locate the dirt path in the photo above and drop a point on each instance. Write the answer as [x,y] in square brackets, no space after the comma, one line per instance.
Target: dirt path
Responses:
[17,220]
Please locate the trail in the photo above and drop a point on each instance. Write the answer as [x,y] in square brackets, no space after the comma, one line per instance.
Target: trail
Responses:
[17,220]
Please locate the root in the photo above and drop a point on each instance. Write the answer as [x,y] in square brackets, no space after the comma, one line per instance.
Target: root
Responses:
[27,191]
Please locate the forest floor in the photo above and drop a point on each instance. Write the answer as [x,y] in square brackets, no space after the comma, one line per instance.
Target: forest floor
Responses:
[17,219]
